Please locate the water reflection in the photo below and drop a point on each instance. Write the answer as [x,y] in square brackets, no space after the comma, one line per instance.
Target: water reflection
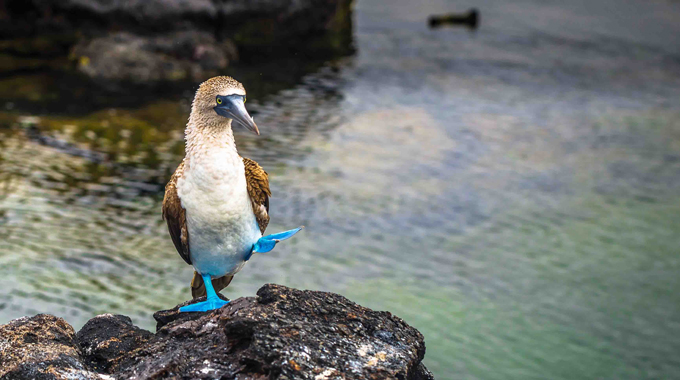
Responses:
[515,198]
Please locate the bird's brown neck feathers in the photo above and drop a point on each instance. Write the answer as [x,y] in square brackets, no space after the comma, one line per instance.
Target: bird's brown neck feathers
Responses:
[205,137]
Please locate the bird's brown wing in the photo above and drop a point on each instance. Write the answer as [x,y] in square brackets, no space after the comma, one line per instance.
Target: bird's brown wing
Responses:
[257,181]
[175,216]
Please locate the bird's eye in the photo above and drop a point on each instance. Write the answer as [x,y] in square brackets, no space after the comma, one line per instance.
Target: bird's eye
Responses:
[219,101]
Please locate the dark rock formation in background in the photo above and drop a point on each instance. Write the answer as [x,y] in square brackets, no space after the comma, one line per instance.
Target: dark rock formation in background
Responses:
[284,333]
[143,41]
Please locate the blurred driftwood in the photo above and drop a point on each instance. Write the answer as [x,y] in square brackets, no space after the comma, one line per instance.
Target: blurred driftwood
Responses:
[469,19]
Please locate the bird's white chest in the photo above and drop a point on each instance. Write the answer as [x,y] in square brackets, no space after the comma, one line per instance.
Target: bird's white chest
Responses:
[220,220]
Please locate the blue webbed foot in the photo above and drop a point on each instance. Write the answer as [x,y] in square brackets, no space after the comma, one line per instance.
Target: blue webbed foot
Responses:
[211,303]
[207,305]
[267,243]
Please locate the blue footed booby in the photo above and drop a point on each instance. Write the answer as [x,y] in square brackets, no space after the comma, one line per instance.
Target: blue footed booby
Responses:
[216,204]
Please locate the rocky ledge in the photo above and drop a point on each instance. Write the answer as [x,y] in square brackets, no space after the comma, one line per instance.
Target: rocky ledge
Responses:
[153,41]
[282,333]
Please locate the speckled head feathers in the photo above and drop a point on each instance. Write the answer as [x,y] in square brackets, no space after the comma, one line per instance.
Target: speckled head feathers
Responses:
[202,112]
[220,86]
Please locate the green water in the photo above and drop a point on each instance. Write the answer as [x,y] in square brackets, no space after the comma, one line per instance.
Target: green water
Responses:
[511,192]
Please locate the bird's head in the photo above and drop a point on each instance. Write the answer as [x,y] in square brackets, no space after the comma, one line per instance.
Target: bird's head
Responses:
[219,98]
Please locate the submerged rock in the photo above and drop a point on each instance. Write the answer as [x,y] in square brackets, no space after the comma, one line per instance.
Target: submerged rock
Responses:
[282,333]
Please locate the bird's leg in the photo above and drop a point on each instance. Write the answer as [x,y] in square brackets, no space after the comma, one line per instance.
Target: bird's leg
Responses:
[267,243]
[212,301]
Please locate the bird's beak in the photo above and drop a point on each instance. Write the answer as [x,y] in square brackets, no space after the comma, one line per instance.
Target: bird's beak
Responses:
[234,108]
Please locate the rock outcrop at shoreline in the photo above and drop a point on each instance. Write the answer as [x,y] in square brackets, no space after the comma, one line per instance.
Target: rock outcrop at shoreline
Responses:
[282,333]
[149,41]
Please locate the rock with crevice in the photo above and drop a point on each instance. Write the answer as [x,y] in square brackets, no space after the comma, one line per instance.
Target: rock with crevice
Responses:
[106,338]
[282,333]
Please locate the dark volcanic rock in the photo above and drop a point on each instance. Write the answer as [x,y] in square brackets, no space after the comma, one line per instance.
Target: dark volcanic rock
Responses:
[106,338]
[163,317]
[284,333]
[162,16]
[41,347]
[148,41]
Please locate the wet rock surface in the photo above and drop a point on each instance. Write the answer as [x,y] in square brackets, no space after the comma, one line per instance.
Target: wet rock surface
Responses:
[282,333]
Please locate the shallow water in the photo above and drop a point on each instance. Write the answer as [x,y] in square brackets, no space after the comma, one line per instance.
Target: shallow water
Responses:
[511,192]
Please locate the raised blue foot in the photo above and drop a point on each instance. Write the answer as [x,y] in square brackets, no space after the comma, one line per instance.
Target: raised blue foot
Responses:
[267,243]
[211,303]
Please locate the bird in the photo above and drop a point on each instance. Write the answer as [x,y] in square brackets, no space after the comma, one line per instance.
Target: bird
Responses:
[216,204]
